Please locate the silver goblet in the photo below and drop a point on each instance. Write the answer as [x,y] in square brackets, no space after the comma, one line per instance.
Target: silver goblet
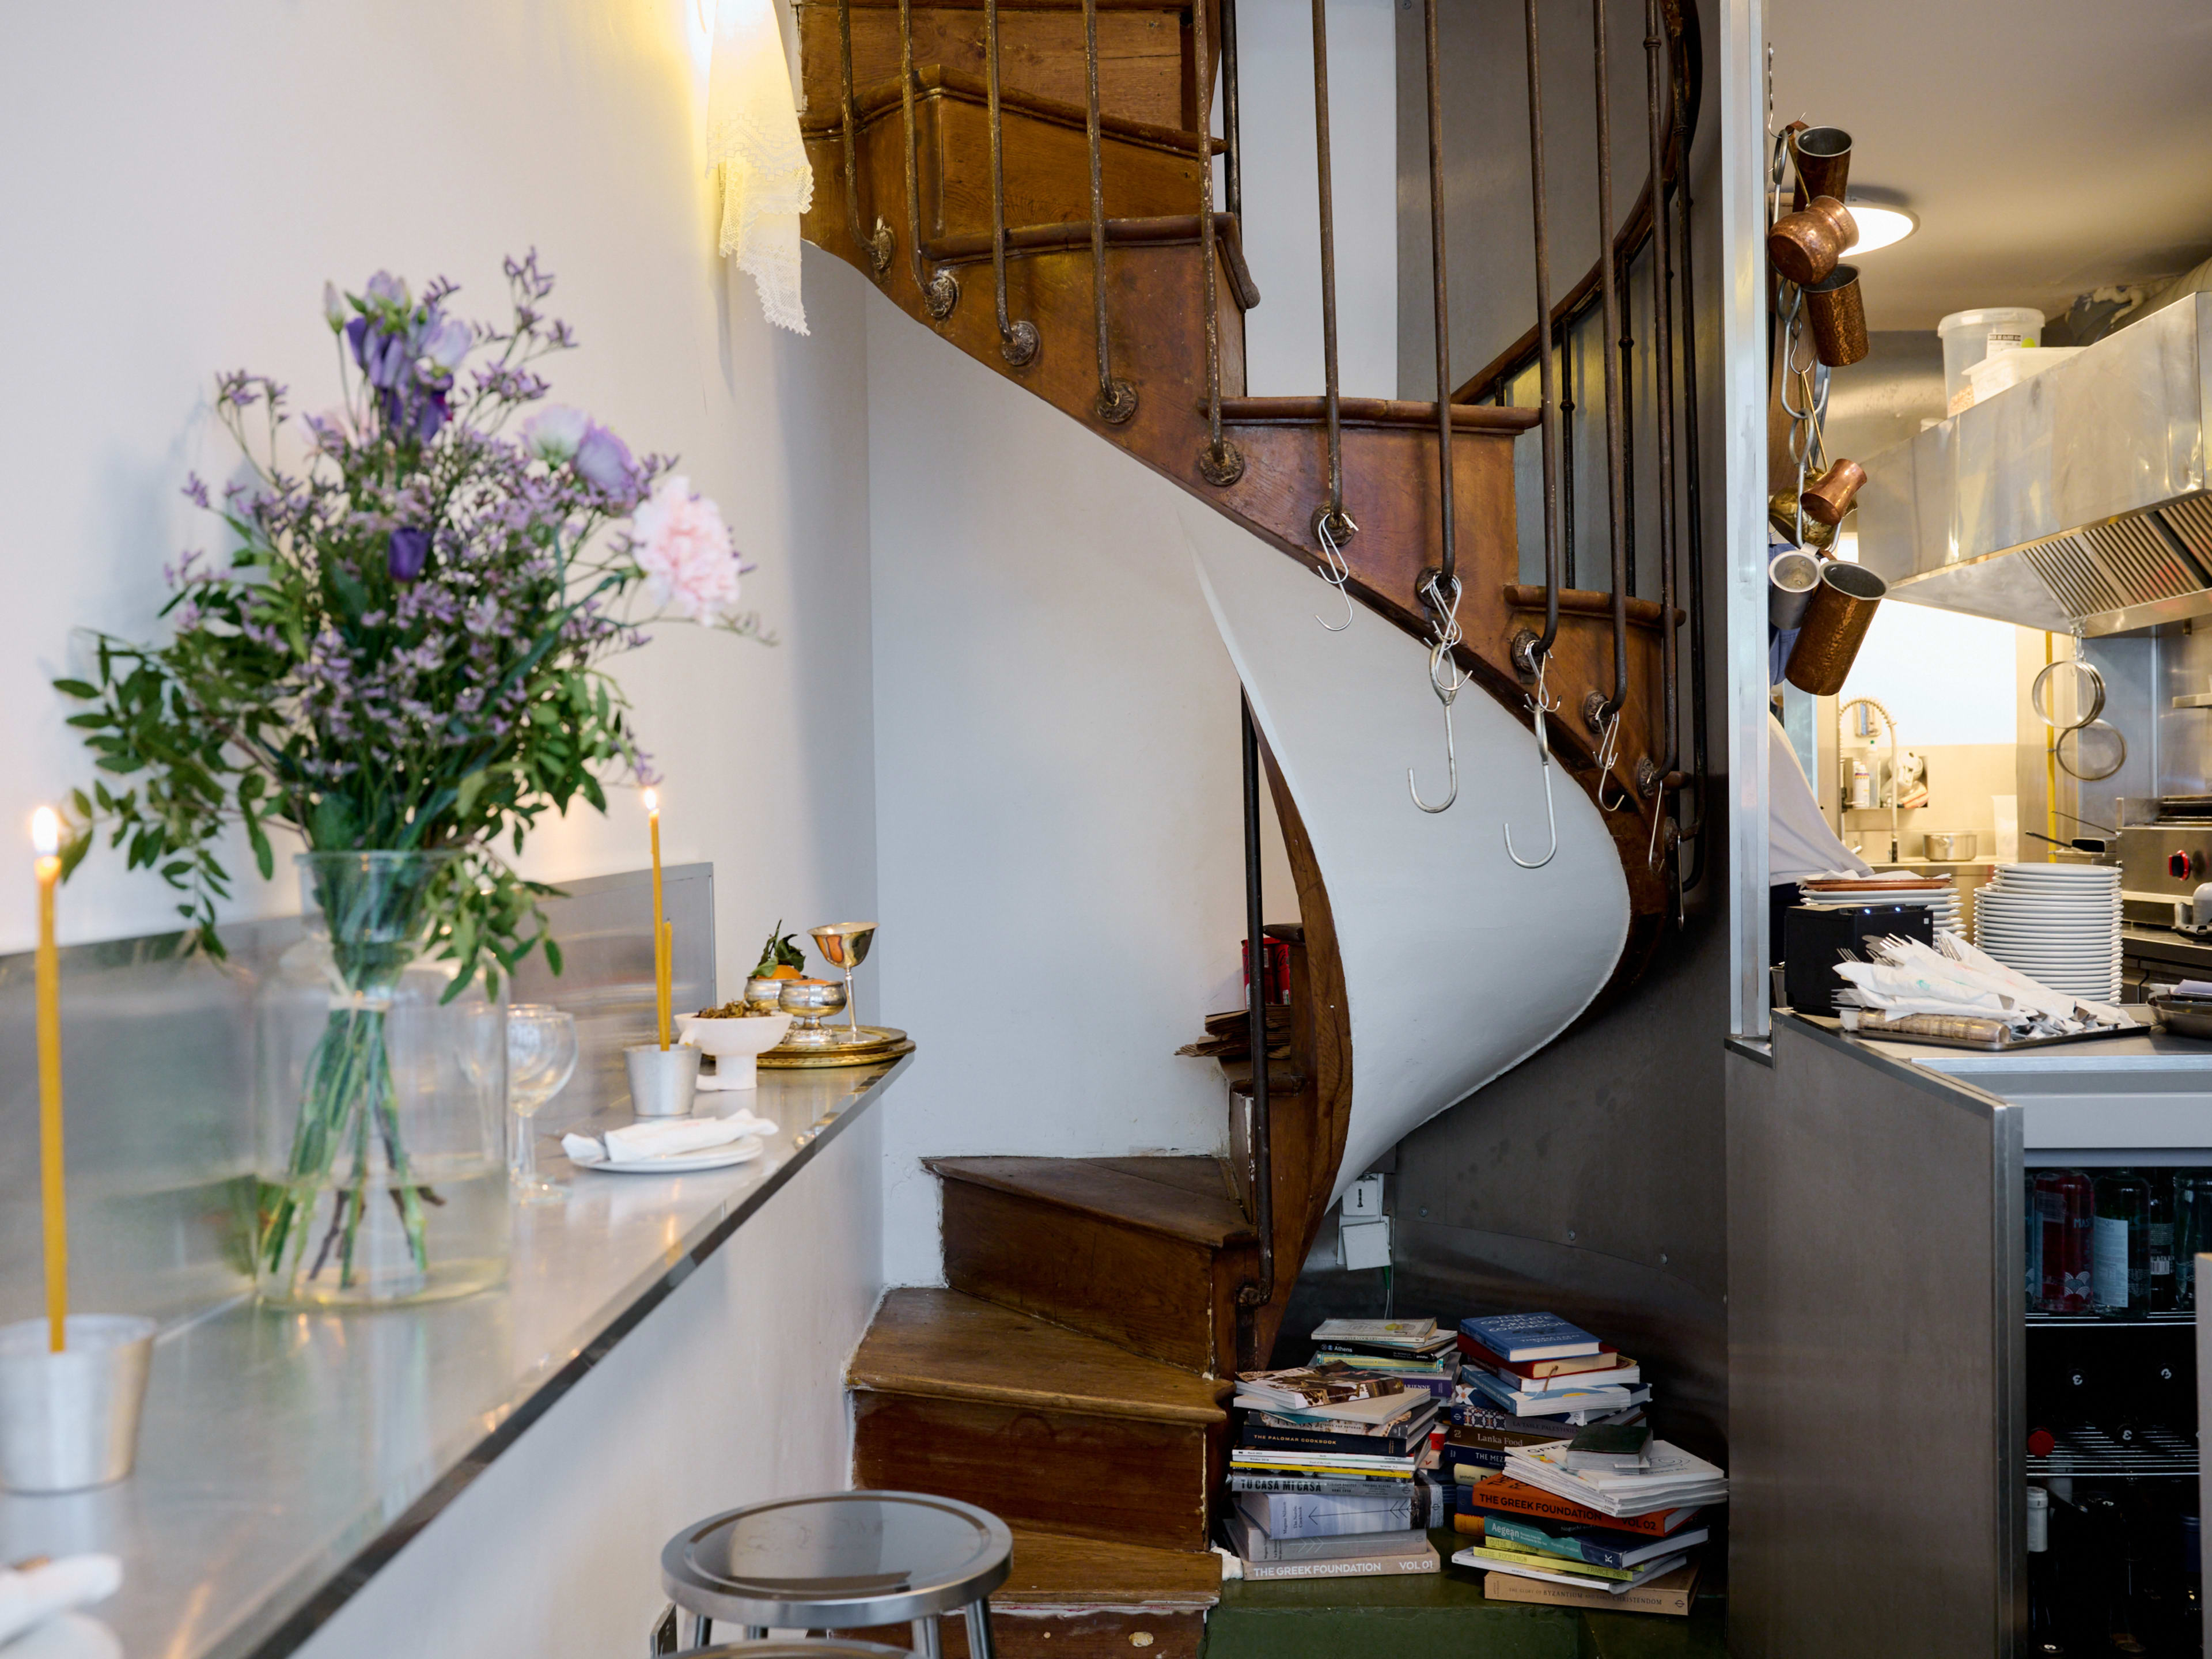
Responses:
[845,944]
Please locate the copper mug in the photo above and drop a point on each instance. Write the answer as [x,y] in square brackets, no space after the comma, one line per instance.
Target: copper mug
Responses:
[1837,314]
[1823,155]
[1831,496]
[1833,627]
[1806,245]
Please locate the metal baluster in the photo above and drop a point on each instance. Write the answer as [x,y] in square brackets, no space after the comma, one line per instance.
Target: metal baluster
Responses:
[1693,513]
[879,245]
[1568,367]
[1332,527]
[1448,557]
[1626,269]
[1254,1294]
[941,292]
[1232,173]
[1613,484]
[1548,396]
[1220,463]
[1117,399]
[1017,342]
[1662,391]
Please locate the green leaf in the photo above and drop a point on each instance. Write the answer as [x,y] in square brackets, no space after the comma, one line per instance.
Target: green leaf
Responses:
[553,954]
[76,688]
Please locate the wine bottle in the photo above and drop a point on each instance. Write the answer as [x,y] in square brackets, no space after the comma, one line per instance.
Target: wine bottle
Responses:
[2044,1640]
[2120,1246]
[2159,1243]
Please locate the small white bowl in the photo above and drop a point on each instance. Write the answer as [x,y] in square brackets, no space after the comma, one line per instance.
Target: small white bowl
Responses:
[734,1043]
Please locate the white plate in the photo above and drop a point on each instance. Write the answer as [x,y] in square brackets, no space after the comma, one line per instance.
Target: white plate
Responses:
[707,1158]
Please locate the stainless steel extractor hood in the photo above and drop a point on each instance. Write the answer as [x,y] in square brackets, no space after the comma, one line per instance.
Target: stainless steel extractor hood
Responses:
[2077,498]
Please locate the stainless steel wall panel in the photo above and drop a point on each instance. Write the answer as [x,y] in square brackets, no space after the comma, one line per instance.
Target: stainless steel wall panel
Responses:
[1876,1341]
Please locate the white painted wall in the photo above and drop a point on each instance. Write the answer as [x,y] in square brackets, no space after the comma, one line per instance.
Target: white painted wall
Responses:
[554,1550]
[1282,215]
[182,180]
[1059,854]
[187,178]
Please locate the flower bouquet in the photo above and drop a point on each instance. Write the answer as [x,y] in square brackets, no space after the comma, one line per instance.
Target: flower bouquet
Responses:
[402,660]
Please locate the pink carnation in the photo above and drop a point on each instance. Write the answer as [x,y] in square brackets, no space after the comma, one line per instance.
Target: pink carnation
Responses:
[683,548]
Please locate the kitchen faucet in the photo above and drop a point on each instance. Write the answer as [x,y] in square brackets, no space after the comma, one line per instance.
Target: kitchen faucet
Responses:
[1895,790]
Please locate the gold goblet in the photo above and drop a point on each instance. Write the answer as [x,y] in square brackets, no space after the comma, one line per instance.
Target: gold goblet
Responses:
[845,944]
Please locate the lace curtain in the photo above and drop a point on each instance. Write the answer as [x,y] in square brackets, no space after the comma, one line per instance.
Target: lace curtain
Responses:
[752,140]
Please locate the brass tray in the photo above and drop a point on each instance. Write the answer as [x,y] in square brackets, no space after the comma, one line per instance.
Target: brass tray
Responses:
[884,1043]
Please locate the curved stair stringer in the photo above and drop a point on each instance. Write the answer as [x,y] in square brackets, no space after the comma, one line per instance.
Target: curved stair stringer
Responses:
[1457,965]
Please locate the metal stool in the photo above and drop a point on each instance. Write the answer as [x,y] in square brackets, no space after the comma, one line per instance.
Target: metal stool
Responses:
[842,1561]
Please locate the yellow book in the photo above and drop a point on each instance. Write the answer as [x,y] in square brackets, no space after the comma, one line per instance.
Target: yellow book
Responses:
[1545,1563]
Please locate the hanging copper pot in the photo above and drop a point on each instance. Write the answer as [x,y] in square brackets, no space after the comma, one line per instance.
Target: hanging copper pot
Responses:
[1837,314]
[1830,497]
[1833,627]
[1782,514]
[1806,245]
[1823,155]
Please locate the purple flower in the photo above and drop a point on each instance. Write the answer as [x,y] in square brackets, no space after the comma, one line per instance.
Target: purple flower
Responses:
[407,553]
[604,460]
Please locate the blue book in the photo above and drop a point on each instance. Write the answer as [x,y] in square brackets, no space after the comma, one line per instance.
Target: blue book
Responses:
[1589,1545]
[1519,1337]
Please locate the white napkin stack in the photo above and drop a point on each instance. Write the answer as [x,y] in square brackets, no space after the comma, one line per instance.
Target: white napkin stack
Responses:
[31,1596]
[656,1137]
[1907,977]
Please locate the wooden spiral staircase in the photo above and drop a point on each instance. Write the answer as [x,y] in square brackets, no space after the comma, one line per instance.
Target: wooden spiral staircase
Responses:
[1072,1375]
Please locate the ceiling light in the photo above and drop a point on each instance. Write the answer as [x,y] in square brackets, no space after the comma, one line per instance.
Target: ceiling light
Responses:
[1879,226]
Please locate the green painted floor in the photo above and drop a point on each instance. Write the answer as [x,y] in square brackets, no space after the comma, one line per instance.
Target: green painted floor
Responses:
[1442,1616]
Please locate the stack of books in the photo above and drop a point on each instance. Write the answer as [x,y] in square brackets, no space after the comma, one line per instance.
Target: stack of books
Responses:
[1562,1490]
[1321,1478]
[1412,1350]
[1539,1365]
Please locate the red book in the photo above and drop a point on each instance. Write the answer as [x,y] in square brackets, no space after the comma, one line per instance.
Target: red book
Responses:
[1608,1358]
[1510,1497]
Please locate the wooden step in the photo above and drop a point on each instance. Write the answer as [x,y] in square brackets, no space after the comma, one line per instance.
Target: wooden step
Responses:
[1151,1262]
[1145,170]
[1141,52]
[1045,1427]
[1080,1597]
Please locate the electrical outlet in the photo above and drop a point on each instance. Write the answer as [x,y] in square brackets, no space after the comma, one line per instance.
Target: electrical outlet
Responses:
[1365,1243]
[1364,1201]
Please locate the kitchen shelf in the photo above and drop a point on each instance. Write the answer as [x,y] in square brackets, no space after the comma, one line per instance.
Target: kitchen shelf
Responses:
[2095,1321]
[2090,1452]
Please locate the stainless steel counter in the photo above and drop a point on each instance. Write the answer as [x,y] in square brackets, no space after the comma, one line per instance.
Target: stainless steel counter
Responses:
[286,1457]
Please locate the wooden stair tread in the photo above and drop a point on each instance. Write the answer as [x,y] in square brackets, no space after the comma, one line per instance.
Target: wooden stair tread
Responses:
[940,1343]
[1374,412]
[1201,1173]
[1109,1189]
[1052,1571]
[881,99]
[1162,230]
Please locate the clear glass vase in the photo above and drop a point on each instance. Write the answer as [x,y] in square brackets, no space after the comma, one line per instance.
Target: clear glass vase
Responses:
[381,1117]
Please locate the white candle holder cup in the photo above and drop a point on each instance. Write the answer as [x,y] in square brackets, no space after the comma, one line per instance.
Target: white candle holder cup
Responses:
[70,1420]
[662,1081]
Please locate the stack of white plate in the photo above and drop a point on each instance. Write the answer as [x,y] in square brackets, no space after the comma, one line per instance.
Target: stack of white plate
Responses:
[2056,923]
[1942,900]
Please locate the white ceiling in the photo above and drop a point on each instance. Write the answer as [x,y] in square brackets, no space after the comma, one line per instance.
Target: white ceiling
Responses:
[2048,146]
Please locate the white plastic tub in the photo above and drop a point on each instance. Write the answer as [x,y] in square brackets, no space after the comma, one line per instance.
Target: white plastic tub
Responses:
[1970,336]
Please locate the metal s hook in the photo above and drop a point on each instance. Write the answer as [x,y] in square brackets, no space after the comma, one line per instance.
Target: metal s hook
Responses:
[1451,753]
[1608,751]
[1540,704]
[1337,572]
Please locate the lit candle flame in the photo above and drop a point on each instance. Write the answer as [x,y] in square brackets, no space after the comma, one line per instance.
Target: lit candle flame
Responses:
[652,803]
[46,832]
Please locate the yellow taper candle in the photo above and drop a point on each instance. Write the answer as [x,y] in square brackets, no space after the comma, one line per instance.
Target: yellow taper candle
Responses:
[46,838]
[662,989]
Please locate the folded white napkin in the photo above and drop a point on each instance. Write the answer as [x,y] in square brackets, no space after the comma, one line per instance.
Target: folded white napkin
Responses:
[652,1138]
[32,1596]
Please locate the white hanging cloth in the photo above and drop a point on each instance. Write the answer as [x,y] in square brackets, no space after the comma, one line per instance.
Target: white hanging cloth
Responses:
[752,137]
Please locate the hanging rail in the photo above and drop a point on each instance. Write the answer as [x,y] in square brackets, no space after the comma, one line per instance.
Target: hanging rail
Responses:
[1220,463]
[1018,341]
[939,292]
[1117,399]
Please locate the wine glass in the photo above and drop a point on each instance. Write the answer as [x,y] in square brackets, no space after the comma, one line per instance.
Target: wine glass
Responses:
[845,944]
[541,1058]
